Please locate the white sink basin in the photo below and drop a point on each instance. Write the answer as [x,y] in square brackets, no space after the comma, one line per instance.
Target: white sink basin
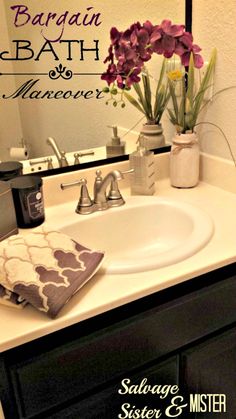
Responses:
[146,233]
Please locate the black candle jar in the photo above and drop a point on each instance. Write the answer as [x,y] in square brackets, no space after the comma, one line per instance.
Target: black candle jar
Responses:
[28,200]
[10,169]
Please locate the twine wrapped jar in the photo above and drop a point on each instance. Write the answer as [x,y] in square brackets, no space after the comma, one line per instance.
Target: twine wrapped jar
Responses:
[184,161]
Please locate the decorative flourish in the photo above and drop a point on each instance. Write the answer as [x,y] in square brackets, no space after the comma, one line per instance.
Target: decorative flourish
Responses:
[60,72]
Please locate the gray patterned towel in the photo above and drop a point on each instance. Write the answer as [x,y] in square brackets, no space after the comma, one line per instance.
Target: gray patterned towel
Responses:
[11,299]
[46,268]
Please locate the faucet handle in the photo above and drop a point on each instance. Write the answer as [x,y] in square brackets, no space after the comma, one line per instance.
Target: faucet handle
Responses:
[115,198]
[85,204]
[76,156]
[82,154]
[63,161]
[86,153]
[127,172]
[71,184]
[49,162]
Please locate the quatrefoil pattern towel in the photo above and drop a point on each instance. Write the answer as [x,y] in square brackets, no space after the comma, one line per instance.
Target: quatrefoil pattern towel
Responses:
[11,299]
[46,268]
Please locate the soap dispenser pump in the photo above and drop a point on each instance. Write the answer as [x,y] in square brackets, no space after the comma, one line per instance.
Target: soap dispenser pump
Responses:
[115,147]
[143,164]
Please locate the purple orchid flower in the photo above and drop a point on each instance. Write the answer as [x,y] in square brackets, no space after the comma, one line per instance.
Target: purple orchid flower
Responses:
[110,56]
[184,49]
[110,75]
[172,30]
[148,26]
[197,59]
[135,46]
[133,77]
[163,38]
[115,36]
[120,82]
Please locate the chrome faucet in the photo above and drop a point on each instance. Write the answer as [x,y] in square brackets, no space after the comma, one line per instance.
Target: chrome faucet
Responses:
[102,200]
[60,155]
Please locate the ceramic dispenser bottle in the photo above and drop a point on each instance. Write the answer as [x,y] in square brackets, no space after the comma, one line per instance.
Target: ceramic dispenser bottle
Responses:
[142,181]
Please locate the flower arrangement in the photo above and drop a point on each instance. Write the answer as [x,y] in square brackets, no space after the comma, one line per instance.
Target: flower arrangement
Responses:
[131,49]
[187,107]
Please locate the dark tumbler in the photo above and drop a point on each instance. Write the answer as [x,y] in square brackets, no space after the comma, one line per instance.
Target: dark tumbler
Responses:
[10,169]
[28,200]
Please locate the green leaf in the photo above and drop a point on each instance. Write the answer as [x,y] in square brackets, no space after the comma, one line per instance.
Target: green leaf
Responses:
[190,90]
[133,102]
[162,73]
[147,94]
[172,116]
[205,84]
[160,90]
[158,101]
[173,97]
[181,116]
[141,98]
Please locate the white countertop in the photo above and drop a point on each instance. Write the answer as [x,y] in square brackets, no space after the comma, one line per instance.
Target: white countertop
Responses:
[105,292]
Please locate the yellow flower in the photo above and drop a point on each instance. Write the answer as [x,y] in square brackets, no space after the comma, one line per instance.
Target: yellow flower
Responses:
[175,75]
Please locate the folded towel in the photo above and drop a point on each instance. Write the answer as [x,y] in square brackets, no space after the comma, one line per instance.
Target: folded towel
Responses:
[46,268]
[11,299]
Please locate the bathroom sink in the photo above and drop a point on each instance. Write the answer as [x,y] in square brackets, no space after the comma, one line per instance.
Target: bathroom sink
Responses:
[144,234]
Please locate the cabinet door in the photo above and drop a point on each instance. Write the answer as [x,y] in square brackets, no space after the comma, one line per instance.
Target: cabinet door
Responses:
[210,368]
[107,404]
[73,369]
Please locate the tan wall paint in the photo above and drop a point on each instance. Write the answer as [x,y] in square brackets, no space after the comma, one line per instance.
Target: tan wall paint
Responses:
[214,26]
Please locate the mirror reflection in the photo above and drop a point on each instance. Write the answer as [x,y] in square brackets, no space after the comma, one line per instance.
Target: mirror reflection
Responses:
[51,63]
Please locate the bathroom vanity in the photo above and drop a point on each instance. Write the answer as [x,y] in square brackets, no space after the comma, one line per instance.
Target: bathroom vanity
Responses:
[175,325]
[185,335]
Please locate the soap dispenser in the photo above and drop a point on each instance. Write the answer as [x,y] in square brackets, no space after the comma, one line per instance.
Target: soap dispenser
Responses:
[115,147]
[142,182]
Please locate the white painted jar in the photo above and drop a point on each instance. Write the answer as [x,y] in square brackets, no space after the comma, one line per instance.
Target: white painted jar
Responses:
[152,136]
[184,161]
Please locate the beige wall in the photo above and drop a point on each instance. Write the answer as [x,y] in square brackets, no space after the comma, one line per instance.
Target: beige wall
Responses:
[81,124]
[214,26]
[10,124]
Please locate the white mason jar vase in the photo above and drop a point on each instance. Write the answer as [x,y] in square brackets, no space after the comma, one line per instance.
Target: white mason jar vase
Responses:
[184,161]
[152,136]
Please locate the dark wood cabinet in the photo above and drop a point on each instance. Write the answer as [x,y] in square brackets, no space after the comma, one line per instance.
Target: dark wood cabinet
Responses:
[210,368]
[185,335]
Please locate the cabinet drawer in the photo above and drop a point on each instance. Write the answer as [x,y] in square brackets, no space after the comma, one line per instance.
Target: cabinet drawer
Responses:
[74,369]
[107,404]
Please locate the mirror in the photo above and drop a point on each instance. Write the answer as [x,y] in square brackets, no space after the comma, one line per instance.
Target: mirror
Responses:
[51,60]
